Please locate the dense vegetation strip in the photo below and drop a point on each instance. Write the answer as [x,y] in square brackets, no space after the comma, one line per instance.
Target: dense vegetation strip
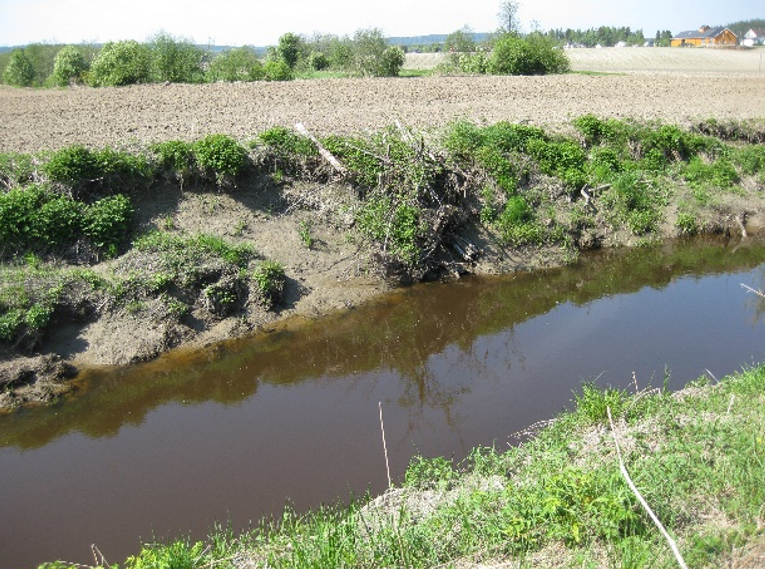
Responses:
[420,200]
[556,500]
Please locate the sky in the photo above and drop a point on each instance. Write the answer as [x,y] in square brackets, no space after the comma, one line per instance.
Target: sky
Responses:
[260,23]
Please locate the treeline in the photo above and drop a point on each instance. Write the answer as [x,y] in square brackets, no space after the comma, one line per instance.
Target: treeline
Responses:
[164,58]
[608,36]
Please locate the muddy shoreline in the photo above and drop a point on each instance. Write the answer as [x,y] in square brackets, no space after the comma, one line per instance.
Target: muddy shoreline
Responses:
[333,274]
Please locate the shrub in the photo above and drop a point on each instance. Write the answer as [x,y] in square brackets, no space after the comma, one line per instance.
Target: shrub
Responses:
[175,157]
[82,170]
[564,159]
[593,129]
[19,72]
[69,66]
[17,169]
[475,63]
[107,223]
[318,61]
[534,55]
[121,63]
[220,157]
[175,60]
[751,159]
[277,70]
[239,64]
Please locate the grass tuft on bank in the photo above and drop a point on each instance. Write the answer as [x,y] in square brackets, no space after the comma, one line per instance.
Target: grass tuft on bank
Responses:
[556,500]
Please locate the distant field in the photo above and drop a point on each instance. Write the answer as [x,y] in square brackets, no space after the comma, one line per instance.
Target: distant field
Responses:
[637,60]
[674,85]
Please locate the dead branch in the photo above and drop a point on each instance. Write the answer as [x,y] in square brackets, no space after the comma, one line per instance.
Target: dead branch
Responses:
[326,154]
[639,496]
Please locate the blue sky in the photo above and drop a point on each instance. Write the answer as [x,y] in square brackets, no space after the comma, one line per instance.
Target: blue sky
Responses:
[258,22]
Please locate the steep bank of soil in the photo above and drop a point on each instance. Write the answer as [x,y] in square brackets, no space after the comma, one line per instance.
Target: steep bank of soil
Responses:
[330,274]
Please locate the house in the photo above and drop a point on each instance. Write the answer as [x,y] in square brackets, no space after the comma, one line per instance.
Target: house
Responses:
[754,37]
[705,36]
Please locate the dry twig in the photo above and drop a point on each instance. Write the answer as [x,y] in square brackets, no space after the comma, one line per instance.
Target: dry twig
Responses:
[639,496]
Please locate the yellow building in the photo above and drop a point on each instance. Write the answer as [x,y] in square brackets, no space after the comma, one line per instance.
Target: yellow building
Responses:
[705,36]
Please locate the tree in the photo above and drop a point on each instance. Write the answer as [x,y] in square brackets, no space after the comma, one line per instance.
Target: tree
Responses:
[175,60]
[239,64]
[69,66]
[373,57]
[121,63]
[460,41]
[19,71]
[508,16]
[289,49]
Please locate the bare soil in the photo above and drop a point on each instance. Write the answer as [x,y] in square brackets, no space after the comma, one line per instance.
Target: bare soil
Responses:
[330,275]
[34,120]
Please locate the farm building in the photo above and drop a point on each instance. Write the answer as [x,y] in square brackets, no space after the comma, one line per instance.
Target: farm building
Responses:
[754,37]
[705,36]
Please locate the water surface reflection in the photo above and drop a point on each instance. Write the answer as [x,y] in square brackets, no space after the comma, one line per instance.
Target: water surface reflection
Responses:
[234,431]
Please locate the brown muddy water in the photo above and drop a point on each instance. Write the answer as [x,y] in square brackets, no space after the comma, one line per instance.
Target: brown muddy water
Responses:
[234,433]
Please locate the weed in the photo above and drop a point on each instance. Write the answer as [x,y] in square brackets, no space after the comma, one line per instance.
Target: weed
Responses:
[687,224]
[269,279]
[220,158]
[304,230]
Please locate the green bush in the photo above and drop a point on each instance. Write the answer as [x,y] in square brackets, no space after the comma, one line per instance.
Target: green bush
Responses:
[121,63]
[69,67]
[564,159]
[107,223]
[90,172]
[17,169]
[220,158]
[318,61]
[19,72]
[533,55]
[751,159]
[175,60]
[277,70]
[720,173]
[175,157]
[239,64]
[593,129]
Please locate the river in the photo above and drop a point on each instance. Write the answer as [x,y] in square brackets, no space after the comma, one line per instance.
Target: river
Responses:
[233,433]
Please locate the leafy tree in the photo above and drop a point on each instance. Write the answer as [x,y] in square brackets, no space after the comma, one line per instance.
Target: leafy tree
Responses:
[121,63]
[69,66]
[239,64]
[19,71]
[460,41]
[175,60]
[373,57]
[508,16]
[289,49]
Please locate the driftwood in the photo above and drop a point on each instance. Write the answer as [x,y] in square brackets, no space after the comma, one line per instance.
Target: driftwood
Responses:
[326,154]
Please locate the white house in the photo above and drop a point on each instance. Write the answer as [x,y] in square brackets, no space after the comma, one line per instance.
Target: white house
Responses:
[754,37]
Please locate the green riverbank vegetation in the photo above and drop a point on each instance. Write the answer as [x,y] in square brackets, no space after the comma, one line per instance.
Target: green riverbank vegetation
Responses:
[419,205]
[560,498]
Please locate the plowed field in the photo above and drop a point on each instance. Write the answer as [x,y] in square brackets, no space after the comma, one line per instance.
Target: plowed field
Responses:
[33,120]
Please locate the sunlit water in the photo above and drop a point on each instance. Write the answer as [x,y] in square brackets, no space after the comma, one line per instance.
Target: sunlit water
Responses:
[235,432]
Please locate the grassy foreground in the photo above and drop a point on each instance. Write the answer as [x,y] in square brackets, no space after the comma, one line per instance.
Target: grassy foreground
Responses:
[558,499]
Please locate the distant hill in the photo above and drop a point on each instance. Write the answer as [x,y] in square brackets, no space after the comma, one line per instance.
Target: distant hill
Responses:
[411,41]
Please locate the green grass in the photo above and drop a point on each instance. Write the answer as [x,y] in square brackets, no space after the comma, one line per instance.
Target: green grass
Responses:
[557,500]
